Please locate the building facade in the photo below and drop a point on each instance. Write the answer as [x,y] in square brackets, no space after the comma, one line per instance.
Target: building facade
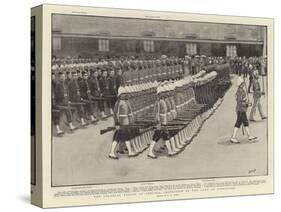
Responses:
[90,36]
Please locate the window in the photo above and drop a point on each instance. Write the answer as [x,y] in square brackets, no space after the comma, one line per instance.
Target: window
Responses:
[56,43]
[148,45]
[103,45]
[191,48]
[231,51]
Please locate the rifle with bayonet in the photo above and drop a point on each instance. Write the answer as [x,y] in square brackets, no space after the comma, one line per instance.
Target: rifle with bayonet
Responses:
[132,126]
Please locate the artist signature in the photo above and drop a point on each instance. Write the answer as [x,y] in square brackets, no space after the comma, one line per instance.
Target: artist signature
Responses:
[252,171]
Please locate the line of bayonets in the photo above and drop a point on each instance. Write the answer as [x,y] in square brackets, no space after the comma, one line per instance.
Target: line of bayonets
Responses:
[147,123]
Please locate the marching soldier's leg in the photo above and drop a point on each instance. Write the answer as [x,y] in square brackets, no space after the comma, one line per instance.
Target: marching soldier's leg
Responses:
[155,139]
[139,144]
[180,138]
[142,140]
[135,146]
[137,141]
[173,144]
[191,128]
[112,153]
[189,132]
[101,108]
[110,105]
[170,151]
[150,134]
[165,136]
[90,109]
[177,140]
[81,114]
[131,153]
[147,138]
[56,118]
[69,118]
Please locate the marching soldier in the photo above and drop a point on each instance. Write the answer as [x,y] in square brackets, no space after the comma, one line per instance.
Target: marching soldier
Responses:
[241,111]
[75,97]
[161,132]
[55,110]
[61,99]
[171,114]
[122,113]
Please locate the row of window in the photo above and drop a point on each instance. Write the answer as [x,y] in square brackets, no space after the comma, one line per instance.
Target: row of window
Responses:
[191,48]
[231,51]
[148,46]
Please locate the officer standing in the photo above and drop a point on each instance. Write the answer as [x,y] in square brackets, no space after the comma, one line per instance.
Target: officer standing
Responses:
[257,93]
[241,111]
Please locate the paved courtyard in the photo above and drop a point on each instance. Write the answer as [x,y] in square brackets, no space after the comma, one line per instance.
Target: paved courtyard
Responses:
[82,157]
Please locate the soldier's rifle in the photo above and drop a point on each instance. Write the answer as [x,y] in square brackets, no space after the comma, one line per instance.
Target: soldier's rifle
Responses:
[65,107]
[76,103]
[133,126]
[143,127]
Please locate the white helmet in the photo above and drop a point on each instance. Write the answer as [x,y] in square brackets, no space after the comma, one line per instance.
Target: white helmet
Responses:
[121,90]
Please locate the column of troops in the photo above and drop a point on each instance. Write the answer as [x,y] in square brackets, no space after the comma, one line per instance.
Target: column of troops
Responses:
[85,90]
[162,116]
[151,100]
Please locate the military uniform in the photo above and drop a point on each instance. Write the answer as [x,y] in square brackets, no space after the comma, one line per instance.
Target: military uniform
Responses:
[257,93]
[112,91]
[96,92]
[241,108]
[61,98]
[85,93]
[75,97]
[122,118]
